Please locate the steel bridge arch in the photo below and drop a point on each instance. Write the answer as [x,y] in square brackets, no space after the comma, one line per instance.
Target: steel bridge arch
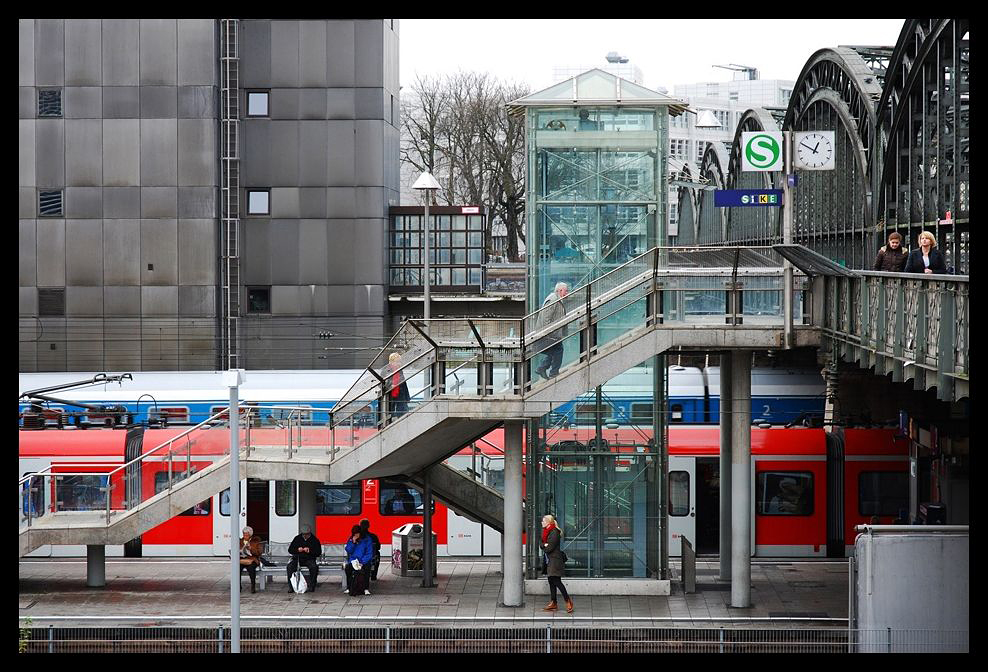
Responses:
[834,210]
[753,226]
[924,121]
[711,222]
[687,200]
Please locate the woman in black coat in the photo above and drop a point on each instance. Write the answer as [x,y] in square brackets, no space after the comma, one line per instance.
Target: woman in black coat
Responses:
[927,259]
[556,562]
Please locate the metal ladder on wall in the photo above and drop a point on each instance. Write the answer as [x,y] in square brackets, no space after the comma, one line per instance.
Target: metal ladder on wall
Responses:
[230,186]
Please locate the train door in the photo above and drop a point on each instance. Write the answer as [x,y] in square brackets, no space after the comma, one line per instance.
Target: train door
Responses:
[257,506]
[282,512]
[681,503]
[707,505]
[221,519]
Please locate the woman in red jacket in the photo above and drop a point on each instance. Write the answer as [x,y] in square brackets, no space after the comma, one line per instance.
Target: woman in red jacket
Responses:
[398,388]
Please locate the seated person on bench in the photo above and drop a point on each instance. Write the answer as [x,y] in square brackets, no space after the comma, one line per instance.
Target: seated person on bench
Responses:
[250,555]
[304,549]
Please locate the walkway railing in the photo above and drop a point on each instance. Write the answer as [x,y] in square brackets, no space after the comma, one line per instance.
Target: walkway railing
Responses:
[914,326]
[665,287]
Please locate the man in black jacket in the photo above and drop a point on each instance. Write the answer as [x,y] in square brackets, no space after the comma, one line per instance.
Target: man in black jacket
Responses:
[304,549]
[891,258]
[365,526]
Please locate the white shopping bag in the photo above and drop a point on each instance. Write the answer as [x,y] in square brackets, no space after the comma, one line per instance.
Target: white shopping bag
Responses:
[298,582]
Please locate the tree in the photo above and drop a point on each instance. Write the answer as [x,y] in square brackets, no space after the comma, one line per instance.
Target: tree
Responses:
[458,128]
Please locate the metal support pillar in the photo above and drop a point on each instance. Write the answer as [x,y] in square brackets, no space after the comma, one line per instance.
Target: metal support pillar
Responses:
[233,378]
[95,566]
[741,479]
[725,466]
[427,559]
[511,564]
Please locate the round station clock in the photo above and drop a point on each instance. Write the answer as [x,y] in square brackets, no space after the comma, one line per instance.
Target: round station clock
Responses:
[814,150]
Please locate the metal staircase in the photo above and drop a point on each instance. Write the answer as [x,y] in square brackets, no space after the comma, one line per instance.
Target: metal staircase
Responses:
[474,374]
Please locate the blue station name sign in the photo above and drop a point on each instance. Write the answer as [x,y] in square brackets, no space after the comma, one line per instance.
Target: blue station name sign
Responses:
[748,198]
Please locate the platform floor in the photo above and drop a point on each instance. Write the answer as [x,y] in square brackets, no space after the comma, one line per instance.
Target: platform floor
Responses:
[195,591]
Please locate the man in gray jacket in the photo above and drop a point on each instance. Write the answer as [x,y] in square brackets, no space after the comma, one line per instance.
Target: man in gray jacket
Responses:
[553,311]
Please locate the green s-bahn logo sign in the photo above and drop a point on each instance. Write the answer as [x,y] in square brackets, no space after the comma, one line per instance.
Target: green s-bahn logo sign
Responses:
[761,151]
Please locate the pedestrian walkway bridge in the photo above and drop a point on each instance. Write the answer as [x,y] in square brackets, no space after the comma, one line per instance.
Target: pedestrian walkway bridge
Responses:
[468,376]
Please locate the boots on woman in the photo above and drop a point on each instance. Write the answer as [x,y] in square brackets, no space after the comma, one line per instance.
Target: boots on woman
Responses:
[569,606]
[550,607]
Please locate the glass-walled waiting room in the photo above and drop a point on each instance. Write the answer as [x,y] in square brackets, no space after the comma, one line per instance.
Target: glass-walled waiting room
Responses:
[595,190]
[596,199]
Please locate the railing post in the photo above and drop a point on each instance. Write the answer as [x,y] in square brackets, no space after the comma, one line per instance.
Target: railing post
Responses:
[721,640]
[219,637]
[387,639]
[169,466]
[888,641]
[946,346]
[30,499]
[51,638]
[548,638]
[108,488]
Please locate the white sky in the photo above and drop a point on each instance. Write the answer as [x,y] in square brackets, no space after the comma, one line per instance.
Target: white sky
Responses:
[668,51]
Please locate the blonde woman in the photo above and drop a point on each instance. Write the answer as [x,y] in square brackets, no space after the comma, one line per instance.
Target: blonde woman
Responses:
[555,562]
[927,259]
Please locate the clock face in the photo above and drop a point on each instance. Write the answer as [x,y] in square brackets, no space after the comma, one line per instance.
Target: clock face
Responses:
[814,150]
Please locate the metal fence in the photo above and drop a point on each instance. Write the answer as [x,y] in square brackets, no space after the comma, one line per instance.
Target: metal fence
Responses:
[398,639]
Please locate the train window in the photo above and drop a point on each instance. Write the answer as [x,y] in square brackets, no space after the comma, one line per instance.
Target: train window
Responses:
[284,498]
[679,493]
[225,502]
[338,500]
[587,413]
[397,499]
[213,410]
[641,413]
[676,413]
[175,413]
[161,483]
[36,498]
[882,493]
[80,493]
[784,493]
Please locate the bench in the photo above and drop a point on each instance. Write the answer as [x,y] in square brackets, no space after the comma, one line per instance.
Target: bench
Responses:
[276,558]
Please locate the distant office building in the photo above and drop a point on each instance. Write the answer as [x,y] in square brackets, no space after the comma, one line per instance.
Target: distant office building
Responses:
[727,102]
[612,63]
[199,193]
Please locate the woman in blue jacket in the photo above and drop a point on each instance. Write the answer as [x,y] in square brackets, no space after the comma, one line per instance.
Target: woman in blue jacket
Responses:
[359,555]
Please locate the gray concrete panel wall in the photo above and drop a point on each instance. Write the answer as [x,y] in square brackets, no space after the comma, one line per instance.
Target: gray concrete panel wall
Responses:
[83,53]
[25,52]
[136,155]
[27,253]
[121,52]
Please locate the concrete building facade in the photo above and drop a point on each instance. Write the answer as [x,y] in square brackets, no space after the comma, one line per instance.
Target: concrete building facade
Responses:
[119,177]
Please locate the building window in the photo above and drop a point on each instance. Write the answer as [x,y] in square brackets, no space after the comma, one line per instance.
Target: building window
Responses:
[784,493]
[733,95]
[785,95]
[258,299]
[724,117]
[701,147]
[678,148]
[258,202]
[50,203]
[882,493]
[338,500]
[284,498]
[51,301]
[397,499]
[49,102]
[679,493]
[257,103]
[456,251]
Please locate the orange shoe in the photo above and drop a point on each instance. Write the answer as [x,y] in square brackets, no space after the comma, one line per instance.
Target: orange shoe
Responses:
[550,607]
[569,606]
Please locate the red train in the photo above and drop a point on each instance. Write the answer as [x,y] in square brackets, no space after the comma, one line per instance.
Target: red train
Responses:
[809,489]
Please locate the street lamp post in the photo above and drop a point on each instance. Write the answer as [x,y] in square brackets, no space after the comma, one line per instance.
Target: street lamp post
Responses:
[428,184]
[232,379]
